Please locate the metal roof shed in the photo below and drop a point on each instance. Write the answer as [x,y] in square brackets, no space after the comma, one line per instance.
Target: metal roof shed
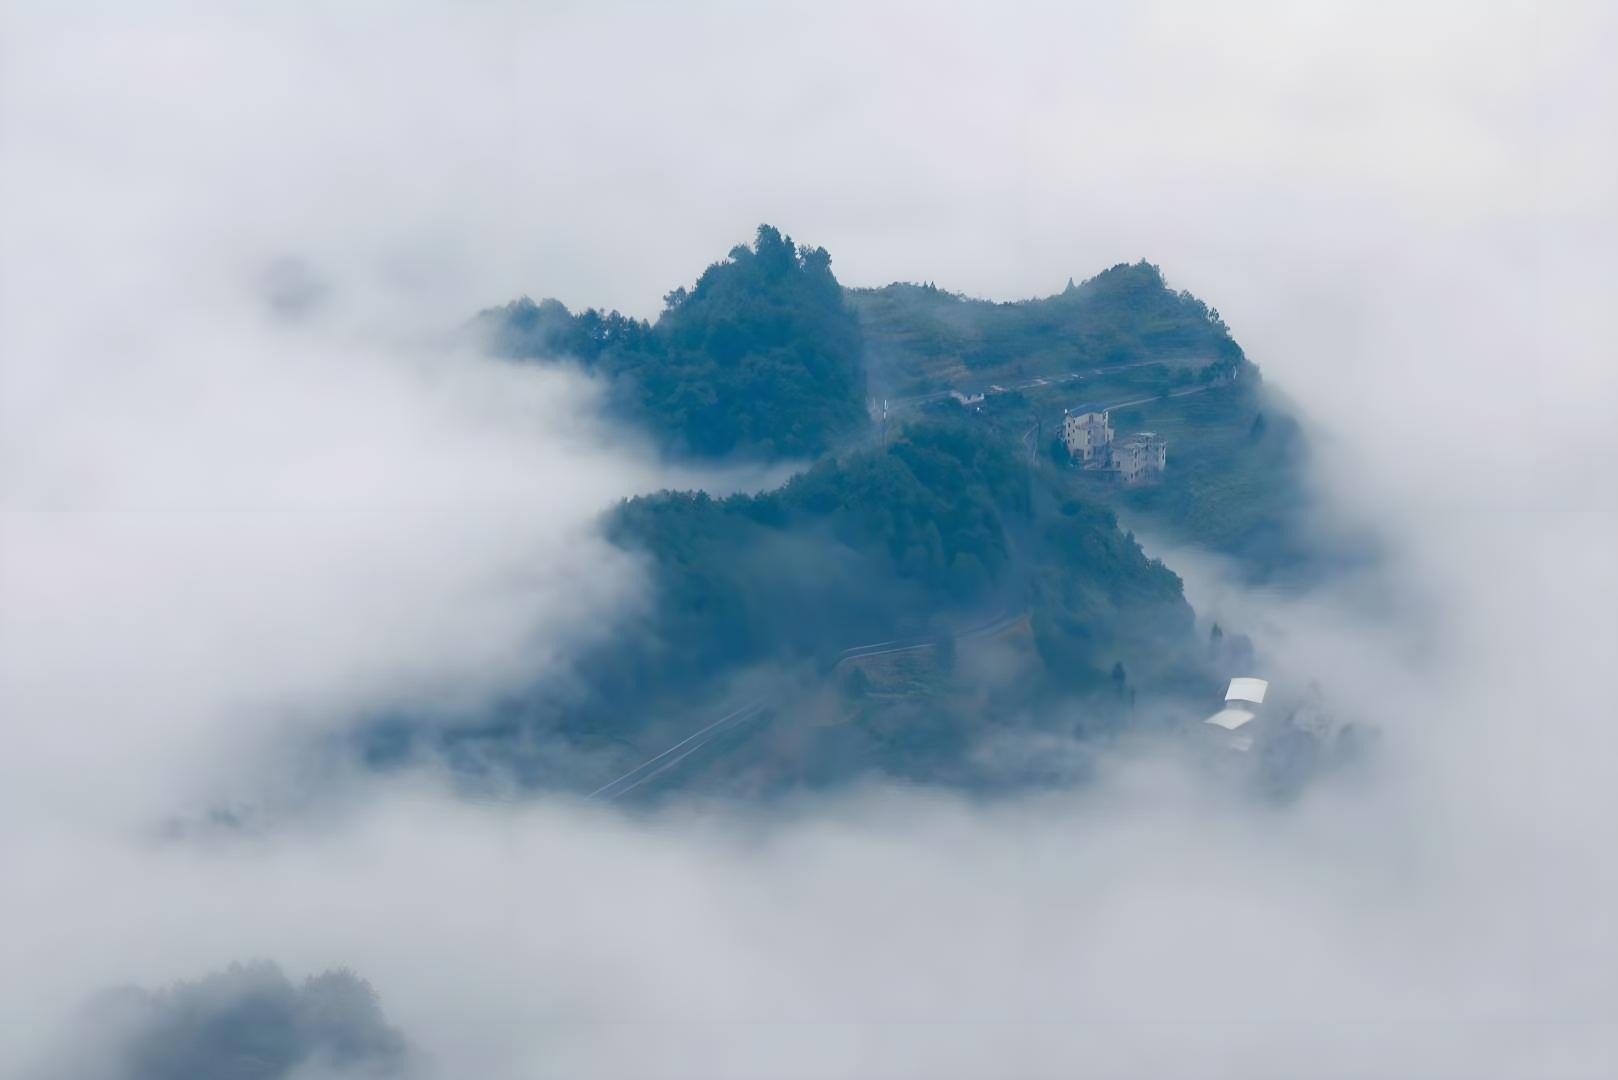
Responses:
[1230,719]
[1248,690]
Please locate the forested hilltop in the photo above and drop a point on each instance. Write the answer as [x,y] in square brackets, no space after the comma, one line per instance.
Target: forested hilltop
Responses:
[761,356]
[938,576]
[920,337]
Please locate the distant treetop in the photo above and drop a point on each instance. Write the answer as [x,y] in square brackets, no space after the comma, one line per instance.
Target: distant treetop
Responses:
[760,357]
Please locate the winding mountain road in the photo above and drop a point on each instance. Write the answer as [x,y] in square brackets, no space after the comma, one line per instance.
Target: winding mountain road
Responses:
[659,764]
[900,404]
[656,766]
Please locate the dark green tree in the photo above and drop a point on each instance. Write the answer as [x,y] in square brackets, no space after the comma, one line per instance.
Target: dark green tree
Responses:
[761,356]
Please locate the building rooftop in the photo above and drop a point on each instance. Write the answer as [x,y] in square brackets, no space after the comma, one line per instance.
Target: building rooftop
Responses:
[1080,410]
[1230,718]
[1248,689]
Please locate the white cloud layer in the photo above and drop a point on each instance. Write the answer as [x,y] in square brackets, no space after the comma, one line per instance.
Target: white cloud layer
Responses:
[224,521]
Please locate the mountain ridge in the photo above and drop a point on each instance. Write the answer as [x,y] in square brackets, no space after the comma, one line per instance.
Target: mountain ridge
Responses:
[948,514]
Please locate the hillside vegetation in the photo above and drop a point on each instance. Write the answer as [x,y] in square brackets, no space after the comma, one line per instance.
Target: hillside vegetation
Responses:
[1003,574]
[920,337]
[761,356]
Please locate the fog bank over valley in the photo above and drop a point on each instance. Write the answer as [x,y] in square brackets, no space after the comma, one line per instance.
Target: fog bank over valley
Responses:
[355,613]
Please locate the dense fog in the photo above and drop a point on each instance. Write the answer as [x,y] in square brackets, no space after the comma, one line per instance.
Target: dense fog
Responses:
[254,489]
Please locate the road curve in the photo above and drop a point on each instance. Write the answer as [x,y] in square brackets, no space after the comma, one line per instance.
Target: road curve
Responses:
[659,764]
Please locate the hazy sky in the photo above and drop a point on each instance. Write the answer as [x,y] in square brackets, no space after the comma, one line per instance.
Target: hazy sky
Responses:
[245,490]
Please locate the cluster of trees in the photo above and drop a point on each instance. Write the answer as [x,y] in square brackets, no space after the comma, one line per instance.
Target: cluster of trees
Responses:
[931,503]
[937,530]
[1238,484]
[882,541]
[761,356]
[248,1022]
[943,529]
[1101,608]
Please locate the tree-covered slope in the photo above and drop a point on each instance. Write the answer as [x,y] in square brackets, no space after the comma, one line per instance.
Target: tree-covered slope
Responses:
[884,541]
[879,542]
[950,529]
[1237,481]
[920,337]
[248,1022]
[761,356]
[940,531]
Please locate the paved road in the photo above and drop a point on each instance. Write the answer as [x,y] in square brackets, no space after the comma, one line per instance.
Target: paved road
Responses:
[899,645]
[656,766]
[1160,397]
[900,404]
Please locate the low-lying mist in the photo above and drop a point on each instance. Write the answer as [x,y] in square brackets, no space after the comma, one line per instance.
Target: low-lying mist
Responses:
[1443,913]
[252,493]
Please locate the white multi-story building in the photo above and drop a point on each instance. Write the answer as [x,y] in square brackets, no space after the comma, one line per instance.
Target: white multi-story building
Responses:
[1087,431]
[1140,456]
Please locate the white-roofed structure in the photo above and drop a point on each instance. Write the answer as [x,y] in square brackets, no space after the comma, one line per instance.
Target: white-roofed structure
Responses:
[1248,689]
[1243,698]
[1230,719]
